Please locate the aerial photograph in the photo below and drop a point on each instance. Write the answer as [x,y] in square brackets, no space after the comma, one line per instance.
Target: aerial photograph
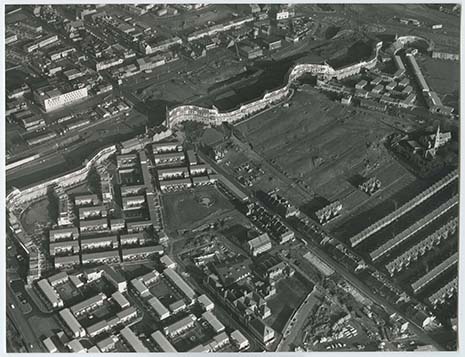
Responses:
[231,177]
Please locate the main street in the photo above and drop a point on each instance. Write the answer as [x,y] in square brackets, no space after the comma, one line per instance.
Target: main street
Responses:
[33,344]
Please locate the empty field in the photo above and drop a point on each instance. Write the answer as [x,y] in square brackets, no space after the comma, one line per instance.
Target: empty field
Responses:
[289,295]
[444,78]
[319,142]
[183,209]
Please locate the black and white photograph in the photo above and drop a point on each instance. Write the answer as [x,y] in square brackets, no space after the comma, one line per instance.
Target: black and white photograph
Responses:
[231,177]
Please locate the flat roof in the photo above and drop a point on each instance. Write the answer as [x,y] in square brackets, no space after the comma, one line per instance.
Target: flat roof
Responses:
[63,244]
[94,222]
[88,302]
[72,323]
[126,312]
[162,342]
[118,277]
[172,169]
[58,277]
[169,155]
[139,286]
[213,321]
[120,298]
[86,197]
[113,239]
[138,235]
[180,324]
[159,308]
[72,230]
[49,292]
[99,255]
[180,283]
[133,340]
[180,181]
[67,259]
[140,250]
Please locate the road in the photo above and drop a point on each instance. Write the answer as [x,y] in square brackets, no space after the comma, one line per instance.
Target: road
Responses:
[297,321]
[33,344]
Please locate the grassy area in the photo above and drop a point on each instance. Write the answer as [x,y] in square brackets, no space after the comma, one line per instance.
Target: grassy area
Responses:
[290,294]
[444,78]
[318,141]
[184,209]
[37,214]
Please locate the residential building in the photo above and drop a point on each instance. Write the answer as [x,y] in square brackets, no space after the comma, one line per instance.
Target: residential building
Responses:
[180,326]
[133,341]
[72,323]
[162,342]
[179,282]
[160,310]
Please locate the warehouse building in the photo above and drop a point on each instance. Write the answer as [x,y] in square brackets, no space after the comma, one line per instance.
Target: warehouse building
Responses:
[259,245]
[51,98]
